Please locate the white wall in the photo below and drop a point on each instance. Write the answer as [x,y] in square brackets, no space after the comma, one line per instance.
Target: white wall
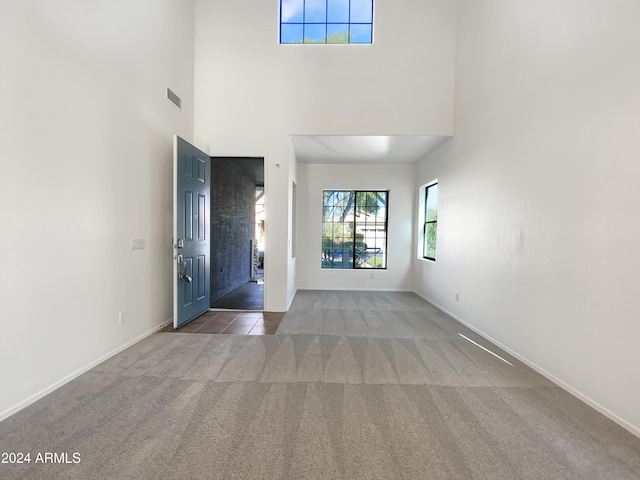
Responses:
[252,93]
[86,165]
[312,180]
[538,219]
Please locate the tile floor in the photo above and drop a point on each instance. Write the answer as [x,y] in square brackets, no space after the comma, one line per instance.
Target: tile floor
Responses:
[238,323]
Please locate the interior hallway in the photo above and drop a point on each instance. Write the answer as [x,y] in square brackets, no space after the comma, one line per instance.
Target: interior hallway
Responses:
[249,296]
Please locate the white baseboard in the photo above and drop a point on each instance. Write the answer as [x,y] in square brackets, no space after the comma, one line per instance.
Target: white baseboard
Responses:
[576,393]
[46,391]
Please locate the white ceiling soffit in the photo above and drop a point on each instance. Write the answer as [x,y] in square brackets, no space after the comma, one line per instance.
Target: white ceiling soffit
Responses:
[365,149]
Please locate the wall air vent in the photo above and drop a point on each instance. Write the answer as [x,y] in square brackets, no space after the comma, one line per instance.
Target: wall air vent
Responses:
[173,98]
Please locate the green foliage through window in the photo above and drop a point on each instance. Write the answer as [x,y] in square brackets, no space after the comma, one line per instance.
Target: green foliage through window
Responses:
[354,229]
[430,222]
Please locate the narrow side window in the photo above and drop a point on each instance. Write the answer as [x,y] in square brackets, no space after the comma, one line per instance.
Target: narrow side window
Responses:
[430,222]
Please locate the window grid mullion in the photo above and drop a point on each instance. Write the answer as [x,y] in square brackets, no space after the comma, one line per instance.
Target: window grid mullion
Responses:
[326,21]
[355,224]
[349,31]
[353,234]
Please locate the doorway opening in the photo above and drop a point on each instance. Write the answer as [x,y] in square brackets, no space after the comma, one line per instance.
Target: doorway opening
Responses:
[237,233]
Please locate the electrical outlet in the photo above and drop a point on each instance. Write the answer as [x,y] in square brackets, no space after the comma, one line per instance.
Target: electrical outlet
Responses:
[137,244]
[122,318]
[457,296]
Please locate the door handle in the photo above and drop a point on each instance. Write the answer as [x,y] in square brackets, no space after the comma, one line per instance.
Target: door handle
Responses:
[182,265]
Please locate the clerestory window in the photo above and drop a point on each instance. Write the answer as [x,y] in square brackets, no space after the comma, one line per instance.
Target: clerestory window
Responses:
[326,21]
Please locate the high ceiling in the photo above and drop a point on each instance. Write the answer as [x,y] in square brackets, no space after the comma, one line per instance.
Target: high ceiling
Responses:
[364,149]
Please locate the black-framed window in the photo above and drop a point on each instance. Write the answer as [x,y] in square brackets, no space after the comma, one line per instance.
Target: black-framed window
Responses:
[430,222]
[326,21]
[354,229]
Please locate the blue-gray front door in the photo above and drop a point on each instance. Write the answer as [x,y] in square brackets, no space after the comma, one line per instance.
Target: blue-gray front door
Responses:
[192,194]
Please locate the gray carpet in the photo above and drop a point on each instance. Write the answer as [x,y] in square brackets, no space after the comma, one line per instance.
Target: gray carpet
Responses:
[368,314]
[422,403]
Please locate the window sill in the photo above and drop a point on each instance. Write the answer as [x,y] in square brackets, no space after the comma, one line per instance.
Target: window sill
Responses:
[426,260]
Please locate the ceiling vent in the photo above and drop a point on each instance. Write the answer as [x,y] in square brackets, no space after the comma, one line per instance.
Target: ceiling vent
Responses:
[173,98]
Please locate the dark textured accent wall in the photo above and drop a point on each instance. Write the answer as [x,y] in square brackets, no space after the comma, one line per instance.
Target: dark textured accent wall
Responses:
[233,196]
